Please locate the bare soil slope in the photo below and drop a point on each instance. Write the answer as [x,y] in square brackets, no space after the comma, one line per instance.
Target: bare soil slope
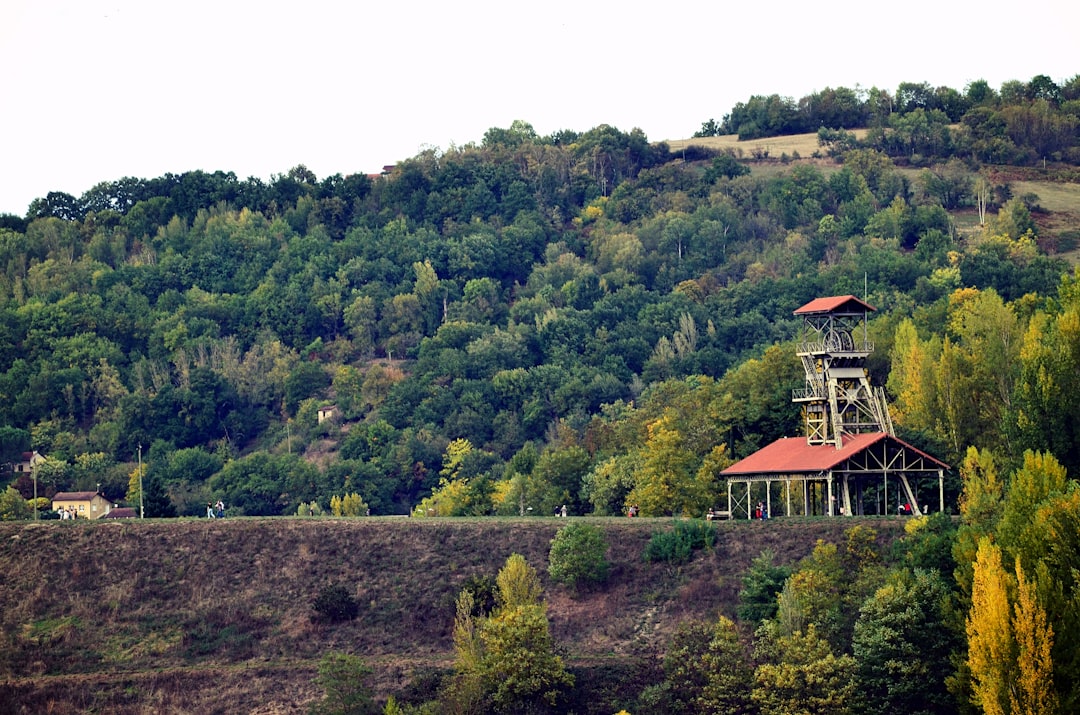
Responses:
[198,616]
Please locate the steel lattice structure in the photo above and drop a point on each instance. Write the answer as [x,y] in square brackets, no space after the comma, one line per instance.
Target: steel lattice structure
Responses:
[849,442]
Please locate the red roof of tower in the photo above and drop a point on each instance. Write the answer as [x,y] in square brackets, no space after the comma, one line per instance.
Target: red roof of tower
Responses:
[834,304]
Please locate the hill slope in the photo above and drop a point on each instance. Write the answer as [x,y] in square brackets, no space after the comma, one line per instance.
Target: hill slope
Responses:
[214,616]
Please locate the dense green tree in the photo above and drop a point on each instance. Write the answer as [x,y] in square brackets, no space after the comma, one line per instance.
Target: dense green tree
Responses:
[578,556]
[341,677]
[1049,364]
[803,675]
[761,585]
[706,670]
[13,442]
[903,643]
[305,381]
[156,502]
[265,485]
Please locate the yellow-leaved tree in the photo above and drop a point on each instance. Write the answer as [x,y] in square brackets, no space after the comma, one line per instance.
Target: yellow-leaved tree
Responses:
[980,510]
[450,497]
[685,449]
[506,661]
[911,378]
[991,645]
[1034,692]
[348,505]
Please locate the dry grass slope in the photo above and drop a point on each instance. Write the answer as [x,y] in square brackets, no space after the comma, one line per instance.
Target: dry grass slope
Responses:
[196,616]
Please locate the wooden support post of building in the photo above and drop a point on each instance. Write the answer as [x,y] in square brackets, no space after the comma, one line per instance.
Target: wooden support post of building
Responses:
[941,489]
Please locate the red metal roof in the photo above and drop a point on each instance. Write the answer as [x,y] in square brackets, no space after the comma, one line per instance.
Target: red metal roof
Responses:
[792,455]
[833,304]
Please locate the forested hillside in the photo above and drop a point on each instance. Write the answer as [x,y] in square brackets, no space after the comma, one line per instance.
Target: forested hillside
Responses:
[585,319]
[512,321]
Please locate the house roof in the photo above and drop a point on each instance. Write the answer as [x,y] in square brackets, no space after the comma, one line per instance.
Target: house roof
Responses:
[793,455]
[74,496]
[835,304]
[121,512]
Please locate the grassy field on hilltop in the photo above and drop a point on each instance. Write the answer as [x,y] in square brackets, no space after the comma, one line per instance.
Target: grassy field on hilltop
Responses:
[1058,201]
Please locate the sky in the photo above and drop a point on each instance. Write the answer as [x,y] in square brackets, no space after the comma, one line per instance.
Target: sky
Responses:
[93,91]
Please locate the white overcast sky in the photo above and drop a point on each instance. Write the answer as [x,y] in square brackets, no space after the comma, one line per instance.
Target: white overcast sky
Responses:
[97,90]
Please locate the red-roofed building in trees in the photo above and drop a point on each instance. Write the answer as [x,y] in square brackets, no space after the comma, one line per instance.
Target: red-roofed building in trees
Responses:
[849,460]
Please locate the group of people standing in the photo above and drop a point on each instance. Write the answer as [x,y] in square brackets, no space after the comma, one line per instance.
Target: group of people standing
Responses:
[215,511]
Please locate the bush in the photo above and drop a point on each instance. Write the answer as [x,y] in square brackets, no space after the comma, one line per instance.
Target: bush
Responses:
[578,555]
[677,545]
[335,604]
[309,509]
[342,676]
[484,592]
[348,505]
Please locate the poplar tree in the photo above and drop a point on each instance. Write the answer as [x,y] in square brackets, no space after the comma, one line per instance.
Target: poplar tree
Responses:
[1034,692]
[991,645]
[980,511]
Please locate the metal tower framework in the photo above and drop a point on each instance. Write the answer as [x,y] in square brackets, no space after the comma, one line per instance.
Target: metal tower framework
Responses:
[838,400]
[849,441]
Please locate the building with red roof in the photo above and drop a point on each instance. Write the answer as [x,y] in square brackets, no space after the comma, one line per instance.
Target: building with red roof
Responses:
[849,451]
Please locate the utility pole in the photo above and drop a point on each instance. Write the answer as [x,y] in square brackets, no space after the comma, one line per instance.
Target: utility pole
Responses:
[142,510]
[33,472]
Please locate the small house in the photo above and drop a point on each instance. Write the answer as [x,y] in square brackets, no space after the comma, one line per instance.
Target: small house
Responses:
[327,413]
[84,505]
[28,461]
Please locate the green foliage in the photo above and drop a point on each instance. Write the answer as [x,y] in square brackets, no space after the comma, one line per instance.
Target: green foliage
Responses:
[805,676]
[348,505]
[261,484]
[706,670]
[761,585]
[928,544]
[334,604]
[505,661]
[675,546]
[13,442]
[903,642]
[204,310]
[13,506]
[484,592]
[1039,479]
[156,501]
[522,672]
[578,555]
[309,509]
[341,677]
[828,587]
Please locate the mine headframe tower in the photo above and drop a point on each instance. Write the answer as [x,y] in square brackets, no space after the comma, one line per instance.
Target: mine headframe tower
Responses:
[838,399]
